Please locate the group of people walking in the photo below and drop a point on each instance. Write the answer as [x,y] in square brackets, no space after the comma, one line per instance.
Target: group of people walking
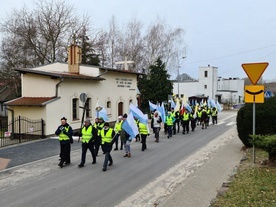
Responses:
[96,136]
[174,120]
[101,135]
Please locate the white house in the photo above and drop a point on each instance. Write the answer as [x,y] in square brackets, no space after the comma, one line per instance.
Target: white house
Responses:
[211,86]
[52,91]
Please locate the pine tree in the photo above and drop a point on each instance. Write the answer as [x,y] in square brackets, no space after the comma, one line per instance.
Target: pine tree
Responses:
[156,86]
[89,57]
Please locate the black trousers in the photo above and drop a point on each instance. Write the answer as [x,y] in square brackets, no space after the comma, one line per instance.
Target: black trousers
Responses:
[176,123]
[144,139]
[214,119]
[107,149]
[97,143]
[117,142]
[65,149]
[186,127]
[84,147]
[193,124]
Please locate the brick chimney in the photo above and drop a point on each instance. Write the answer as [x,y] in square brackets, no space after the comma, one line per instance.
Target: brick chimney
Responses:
[74,58]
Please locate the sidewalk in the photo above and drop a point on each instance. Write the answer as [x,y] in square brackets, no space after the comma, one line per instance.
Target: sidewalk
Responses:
[201,188]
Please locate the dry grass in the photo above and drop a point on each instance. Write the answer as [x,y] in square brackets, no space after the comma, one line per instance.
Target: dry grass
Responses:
[254,185]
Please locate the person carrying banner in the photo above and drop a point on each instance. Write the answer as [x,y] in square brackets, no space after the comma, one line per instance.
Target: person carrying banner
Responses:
[107,137]
[125,137]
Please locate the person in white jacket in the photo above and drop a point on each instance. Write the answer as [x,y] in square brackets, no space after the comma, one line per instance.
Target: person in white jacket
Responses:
[156,125]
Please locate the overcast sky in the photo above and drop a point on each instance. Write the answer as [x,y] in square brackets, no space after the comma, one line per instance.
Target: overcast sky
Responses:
[221,33]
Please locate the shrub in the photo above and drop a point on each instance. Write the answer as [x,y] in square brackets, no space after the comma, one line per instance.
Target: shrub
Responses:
[265,120]
[266,143]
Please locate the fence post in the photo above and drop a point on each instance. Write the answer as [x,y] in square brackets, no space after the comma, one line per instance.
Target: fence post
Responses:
[19,129]
[42,129]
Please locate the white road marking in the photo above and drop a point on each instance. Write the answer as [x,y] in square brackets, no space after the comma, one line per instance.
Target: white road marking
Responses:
[231,123]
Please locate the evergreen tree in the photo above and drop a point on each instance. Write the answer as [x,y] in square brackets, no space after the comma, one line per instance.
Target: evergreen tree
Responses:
[156,86]
[89,57]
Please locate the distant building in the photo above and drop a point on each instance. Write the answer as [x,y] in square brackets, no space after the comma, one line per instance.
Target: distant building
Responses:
[230,90]
[52,91]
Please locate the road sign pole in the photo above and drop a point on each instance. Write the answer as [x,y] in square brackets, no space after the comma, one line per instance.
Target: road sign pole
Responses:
[254,120]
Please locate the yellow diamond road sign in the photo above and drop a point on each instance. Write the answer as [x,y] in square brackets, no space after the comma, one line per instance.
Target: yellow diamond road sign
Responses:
[254,94]
[254,71]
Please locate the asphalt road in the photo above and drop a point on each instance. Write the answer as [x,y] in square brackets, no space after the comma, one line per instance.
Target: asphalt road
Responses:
[43,183]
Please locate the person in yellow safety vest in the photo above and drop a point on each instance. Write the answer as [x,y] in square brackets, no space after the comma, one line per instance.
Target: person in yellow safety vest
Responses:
[65,133]
[198,116]
[108,138]
[118,129]
[99,126]
[214,114]
[143,131]
[169,121]
[186,122]
[176,115]
[88,135]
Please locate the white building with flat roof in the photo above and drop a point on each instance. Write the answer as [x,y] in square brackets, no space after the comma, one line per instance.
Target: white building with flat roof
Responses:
[230,90]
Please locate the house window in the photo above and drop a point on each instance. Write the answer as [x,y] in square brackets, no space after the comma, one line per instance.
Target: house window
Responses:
[108,107]
[205,73]
[75,107]
[88,106]
[205,86]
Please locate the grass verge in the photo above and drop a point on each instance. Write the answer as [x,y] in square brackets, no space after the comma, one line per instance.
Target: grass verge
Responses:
[254,184]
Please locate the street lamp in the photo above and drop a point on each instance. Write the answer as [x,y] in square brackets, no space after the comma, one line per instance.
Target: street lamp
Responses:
[179,78]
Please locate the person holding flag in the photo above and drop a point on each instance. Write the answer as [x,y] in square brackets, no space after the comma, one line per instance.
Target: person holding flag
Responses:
[125,137]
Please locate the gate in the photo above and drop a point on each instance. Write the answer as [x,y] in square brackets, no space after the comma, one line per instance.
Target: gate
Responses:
[20,130]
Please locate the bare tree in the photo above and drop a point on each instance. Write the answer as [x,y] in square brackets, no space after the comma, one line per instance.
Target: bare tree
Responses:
[162,42]
[41,34]
[132,43]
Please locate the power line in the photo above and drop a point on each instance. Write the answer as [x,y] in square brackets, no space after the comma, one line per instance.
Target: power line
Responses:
[227,56]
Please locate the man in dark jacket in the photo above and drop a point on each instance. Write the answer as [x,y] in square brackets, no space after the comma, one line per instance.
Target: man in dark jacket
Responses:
[65,133]
[88,134]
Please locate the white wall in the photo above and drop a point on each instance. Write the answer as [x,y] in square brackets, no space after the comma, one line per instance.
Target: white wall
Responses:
[210,81]
[118,87]
[214,86]
[38,86]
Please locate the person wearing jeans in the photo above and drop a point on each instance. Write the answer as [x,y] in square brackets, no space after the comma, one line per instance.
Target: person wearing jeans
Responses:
[125,137]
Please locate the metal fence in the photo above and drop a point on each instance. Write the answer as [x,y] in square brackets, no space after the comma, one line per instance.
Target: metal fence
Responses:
[20,130]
